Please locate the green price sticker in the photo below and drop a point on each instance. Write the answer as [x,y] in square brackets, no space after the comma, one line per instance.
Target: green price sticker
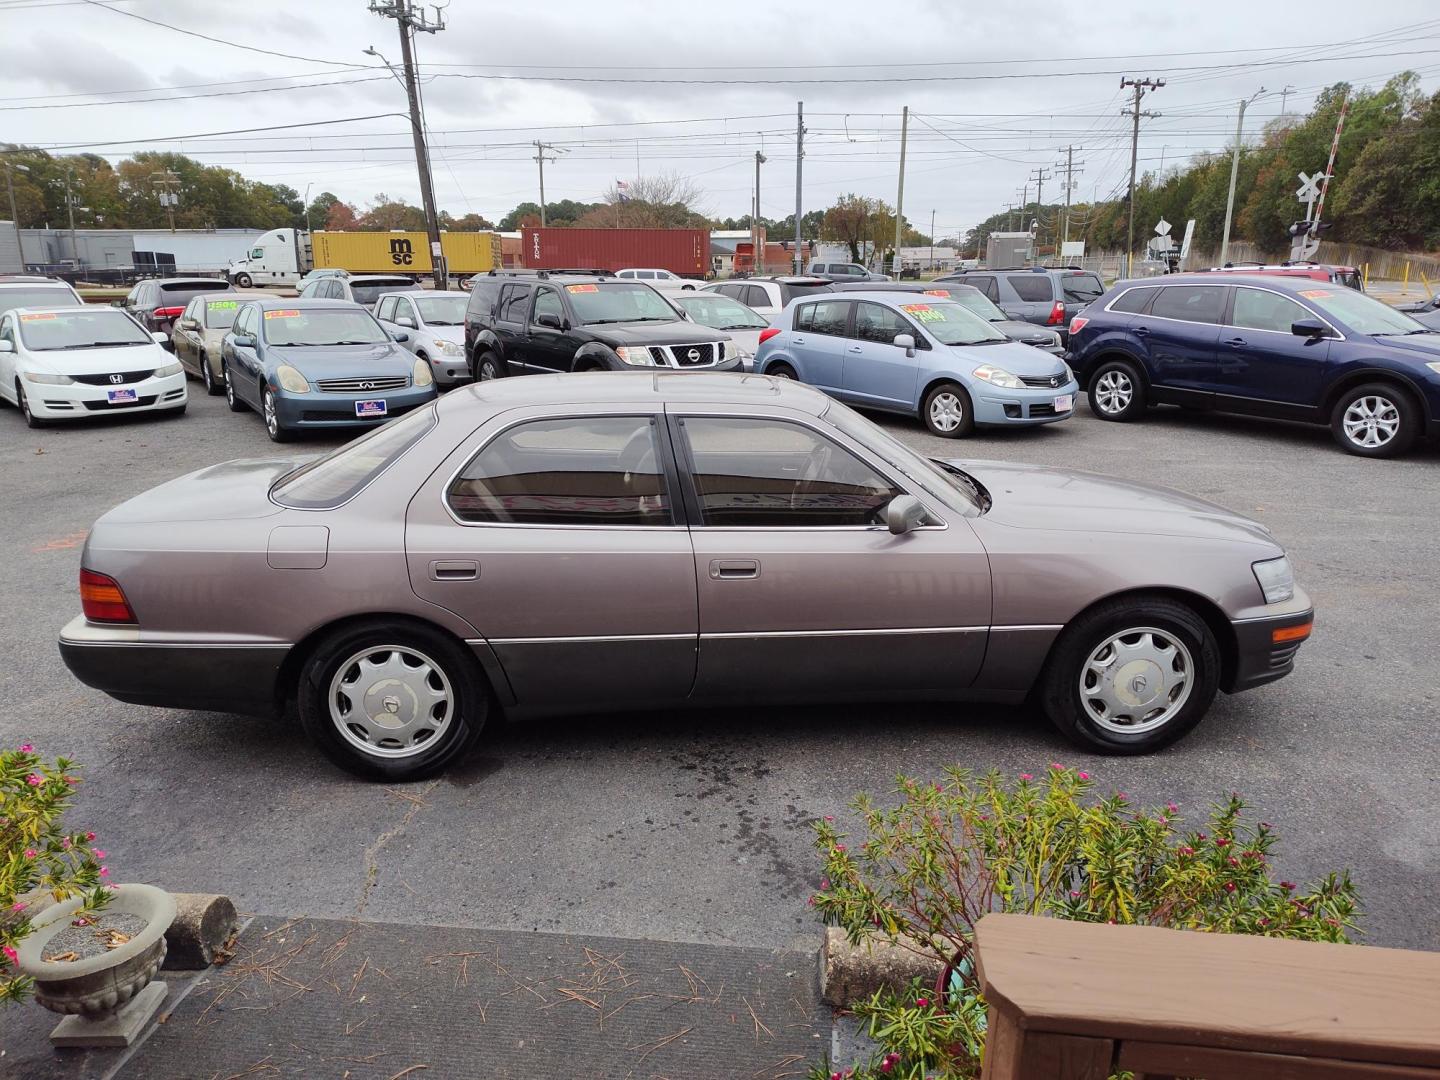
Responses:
[221,305]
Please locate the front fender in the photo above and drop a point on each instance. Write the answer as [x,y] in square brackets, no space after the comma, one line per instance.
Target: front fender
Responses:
[593,350]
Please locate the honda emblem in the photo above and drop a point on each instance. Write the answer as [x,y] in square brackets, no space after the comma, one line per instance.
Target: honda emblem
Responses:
[117,379]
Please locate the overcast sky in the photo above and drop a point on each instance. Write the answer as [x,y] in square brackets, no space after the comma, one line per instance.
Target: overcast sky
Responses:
[988,99]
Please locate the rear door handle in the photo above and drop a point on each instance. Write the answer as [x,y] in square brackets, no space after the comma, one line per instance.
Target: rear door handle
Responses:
[797,341]
[1237,343]
[857,348]
[1140,331]
[728,569]
[454,570]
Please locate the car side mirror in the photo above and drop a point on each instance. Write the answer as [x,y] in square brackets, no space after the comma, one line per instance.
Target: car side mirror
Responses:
[550,319]
[906,342]
[405,320]
[189,324]
[904,513]
[7,346]
[243,341]
[1307,328]
[160,339]
[400,336]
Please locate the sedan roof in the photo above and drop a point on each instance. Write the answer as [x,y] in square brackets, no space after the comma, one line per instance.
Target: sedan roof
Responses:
[275,303]
[677,387]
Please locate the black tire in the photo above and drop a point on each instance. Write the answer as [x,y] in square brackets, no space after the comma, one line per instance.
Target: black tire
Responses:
[244,281]
[1116,391]
[782,371]
[231,398]
[493,364]
[1379,407]
[1080,718]
[469,700]
[277,431]
[947,411]
[31,420]
[207,378]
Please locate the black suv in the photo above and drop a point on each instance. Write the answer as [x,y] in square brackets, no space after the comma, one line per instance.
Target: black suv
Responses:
[538,322]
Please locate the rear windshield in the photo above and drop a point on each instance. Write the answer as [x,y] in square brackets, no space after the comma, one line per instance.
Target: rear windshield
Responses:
[1081,288]
[220,314]
[86,328]
[442,310]
[41,296]
[322,326]
[971,299]
[366,292]
[342,474]
[181,293]
[808,289]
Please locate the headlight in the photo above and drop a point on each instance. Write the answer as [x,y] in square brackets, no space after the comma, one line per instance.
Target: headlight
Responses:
[998,377]
[1277,580]
[1434,366]
[1069,375]
[449,348]
[168,370]
[290,379]
[422,376]
[48,380]
[635,355]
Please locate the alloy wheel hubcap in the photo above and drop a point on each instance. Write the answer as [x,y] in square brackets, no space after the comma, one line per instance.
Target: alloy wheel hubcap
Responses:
[1137,680]
[487,371]
[272,422]
[946,412]
[1113,391]
[1371,421]
[390,701]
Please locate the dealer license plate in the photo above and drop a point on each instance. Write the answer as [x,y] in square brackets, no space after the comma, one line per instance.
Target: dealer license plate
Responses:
[366,409]
[1065,402]
[121,397]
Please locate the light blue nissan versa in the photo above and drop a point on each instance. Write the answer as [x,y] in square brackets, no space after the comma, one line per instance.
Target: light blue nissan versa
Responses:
[921,355]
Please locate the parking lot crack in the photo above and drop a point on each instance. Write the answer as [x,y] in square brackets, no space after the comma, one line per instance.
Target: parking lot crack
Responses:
[417,802]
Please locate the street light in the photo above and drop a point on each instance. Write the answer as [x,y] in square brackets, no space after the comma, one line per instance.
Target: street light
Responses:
[10,168]
[305,201]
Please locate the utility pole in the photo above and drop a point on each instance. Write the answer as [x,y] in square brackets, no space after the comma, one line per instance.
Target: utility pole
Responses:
[166,182]
[1070,171]
[1285,93]
[1234,173]
[540,159]
[799,163]
[757,245]
[932,241]
[1040,179]
[10,168]
[410,20]
[1140,86]
[899,196]
[70,206]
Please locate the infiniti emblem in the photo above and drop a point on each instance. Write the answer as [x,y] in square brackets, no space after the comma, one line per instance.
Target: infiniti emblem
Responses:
[367,386]
[117,378]
[693,356]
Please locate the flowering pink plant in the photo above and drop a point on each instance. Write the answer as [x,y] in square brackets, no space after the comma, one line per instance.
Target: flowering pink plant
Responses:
[36,855]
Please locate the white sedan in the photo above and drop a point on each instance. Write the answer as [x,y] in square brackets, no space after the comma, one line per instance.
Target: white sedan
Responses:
[657,279]
[70,363]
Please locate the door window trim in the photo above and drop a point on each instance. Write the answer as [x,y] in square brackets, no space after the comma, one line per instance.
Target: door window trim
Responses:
[680,446]
[665,452]
[1224,304]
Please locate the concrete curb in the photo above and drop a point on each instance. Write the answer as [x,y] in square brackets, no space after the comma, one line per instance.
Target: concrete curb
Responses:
[851,973]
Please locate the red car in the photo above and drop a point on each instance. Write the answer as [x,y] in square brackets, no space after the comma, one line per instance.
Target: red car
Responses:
[1348,276]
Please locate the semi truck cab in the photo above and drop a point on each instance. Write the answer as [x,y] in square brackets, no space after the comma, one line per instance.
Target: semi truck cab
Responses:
[278,257]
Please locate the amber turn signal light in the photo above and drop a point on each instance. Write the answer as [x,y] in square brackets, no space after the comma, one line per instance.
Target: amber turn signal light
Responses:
[103,600]
[1291,633]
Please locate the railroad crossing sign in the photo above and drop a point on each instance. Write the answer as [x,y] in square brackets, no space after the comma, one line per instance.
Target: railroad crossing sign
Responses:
[1309,189]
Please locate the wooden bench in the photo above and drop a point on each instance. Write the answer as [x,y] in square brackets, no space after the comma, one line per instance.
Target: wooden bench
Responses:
[1080,1001]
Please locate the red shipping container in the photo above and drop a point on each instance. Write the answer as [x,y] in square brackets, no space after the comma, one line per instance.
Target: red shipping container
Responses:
[681,251]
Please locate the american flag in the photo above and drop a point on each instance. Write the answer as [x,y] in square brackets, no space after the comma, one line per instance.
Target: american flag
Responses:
[622,189]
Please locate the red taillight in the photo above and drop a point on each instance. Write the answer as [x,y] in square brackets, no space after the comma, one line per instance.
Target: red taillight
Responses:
[169,312]
[1057,315]
[1077,324]
[103,600]
[767,334]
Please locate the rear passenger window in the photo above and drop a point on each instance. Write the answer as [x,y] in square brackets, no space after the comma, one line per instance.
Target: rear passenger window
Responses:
[387,309]
[829,317]
[589,470]
[512,303]
[756,296]
[1256,309]
[1189,303]
[482,298]
[1031,287]
[1133,301]
[986,284]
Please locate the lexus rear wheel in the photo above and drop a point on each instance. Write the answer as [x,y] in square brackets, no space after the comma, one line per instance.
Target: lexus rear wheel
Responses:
[1116,392]
[1131,676]
[946,411]
[1375,420]
[392,701]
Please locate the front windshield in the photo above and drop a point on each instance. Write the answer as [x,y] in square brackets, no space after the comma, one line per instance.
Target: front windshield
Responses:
[971,299]
[84,329]
[1362,313]
[951,324]
[618,301]
[917,468]
[442,310]
[41,296]
[322,326]
[367,292]
[220,314]
[721,312]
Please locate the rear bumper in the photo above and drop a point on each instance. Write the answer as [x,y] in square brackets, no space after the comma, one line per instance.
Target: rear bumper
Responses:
[1259,657]
[234,677]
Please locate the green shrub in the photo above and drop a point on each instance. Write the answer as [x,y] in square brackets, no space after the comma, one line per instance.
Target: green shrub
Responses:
[37,857]
[950,852]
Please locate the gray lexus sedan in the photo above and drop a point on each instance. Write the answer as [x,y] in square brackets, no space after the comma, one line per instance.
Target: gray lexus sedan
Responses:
[569,543]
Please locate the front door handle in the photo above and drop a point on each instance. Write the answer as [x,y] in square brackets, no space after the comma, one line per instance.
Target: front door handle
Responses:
[454,570]
[797,341]
[1140,331]
[1237,343]
[857,348]
[729,569]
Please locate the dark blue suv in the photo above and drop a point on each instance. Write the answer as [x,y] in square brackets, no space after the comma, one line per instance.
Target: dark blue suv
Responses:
[1289,349]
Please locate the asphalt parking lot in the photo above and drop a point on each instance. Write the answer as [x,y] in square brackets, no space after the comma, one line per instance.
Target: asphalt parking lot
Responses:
[692,826]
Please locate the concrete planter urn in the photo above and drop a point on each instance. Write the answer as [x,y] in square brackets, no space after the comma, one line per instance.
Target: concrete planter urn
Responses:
[107,998]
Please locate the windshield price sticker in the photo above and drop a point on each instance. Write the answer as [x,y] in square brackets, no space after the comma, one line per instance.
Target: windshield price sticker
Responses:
[219,305]
[923,312]
[287,313]
[38,318]
[582,288]
[936,292]
[1315,294]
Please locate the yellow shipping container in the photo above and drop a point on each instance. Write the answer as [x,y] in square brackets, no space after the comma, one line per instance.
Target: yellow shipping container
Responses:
[406,252]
